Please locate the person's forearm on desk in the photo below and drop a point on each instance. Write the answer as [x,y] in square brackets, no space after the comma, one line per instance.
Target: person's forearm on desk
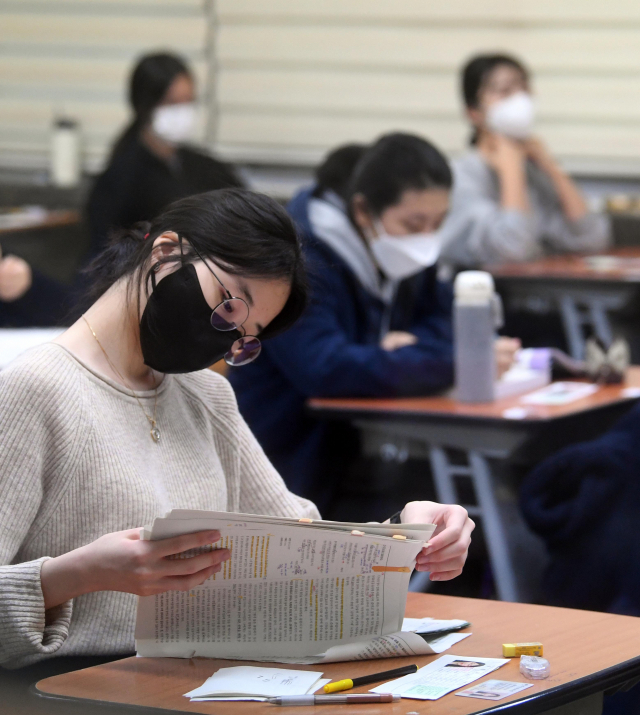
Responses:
[445,554]
[396,339]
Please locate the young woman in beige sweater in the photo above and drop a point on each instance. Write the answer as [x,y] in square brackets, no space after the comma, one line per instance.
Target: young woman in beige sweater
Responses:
[117,421]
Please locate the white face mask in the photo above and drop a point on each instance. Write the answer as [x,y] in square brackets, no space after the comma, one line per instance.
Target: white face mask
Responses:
[400,257]
[174,122]
[513,116]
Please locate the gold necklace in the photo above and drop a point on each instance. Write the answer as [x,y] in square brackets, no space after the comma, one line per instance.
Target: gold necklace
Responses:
[154,431]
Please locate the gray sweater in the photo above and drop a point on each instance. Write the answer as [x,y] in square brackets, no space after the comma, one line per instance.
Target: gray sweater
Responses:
[77,462]
[479,231]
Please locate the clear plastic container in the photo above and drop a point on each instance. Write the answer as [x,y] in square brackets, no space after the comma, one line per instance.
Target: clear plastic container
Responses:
[534,667]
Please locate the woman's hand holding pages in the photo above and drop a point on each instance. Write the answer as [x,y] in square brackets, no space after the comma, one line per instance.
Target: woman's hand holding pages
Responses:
[122,561]
[445,554]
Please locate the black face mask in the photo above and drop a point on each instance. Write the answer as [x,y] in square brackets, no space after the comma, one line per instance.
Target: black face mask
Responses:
[176,334]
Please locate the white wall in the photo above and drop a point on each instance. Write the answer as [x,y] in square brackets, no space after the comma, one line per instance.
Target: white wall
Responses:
[293,78]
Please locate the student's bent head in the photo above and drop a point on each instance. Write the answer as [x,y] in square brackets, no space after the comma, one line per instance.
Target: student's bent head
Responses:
[401,184]
[241,245]
[488,79]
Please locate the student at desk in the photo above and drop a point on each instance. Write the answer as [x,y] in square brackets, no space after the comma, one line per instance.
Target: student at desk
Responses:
[379,321]
[150,166]
[117,421]
[511,200]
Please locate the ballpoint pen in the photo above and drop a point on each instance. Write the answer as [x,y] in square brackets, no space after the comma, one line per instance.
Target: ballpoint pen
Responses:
[345,699]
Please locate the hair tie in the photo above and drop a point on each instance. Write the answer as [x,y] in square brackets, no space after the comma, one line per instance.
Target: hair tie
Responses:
[146,236]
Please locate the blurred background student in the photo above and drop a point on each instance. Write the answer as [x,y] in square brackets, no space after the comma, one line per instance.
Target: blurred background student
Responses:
[511,200]
[150,167]
[379,321]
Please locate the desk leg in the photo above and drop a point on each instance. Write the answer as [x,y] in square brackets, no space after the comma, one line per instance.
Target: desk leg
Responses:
[600,322]
[517,556]
[593,314]
[572,321]
[477,469]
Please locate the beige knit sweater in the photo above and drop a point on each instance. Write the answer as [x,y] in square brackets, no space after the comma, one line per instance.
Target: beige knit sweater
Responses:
[77,462]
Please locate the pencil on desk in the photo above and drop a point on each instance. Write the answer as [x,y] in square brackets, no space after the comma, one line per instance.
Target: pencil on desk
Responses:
[349,683]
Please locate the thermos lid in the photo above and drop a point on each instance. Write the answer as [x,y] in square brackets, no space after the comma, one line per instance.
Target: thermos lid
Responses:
[473,287]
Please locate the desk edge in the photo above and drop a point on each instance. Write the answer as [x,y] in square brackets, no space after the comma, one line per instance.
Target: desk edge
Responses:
[362,413]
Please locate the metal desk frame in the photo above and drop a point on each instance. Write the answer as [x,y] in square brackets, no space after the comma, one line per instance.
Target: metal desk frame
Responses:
[505,532]
[580,302]
[432,429]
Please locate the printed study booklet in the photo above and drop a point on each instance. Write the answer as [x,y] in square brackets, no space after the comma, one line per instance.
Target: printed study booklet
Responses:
[293,591]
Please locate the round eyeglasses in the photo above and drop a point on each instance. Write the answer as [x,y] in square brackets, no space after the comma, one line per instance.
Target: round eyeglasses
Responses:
[231,314]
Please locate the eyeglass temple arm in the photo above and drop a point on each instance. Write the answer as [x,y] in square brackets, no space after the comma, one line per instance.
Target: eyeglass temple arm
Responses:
[224,288]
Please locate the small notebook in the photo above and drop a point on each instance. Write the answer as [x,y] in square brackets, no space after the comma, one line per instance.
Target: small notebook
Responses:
[246,682]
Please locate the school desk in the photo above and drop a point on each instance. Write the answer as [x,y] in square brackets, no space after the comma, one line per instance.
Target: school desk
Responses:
[583,288]
[54,218]
[590,653]
[485,440]
[54,243]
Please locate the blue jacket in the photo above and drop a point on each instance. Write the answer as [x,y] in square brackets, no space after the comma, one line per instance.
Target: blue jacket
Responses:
[584,502]
[333,351]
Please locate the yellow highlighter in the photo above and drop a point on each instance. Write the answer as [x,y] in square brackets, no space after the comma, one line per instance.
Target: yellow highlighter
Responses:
[349,683]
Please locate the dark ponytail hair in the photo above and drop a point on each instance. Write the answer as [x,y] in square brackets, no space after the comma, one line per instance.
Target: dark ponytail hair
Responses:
[394,164]
[245,233]
[151,78]
[334,174]
[477,71]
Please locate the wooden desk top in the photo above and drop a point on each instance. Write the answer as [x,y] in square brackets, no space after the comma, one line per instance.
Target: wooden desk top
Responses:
[53,219]
[446,407]
[618,264]
[580,645]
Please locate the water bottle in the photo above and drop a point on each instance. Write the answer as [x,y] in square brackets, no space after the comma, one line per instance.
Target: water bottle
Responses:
[476,315]
[65,153]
